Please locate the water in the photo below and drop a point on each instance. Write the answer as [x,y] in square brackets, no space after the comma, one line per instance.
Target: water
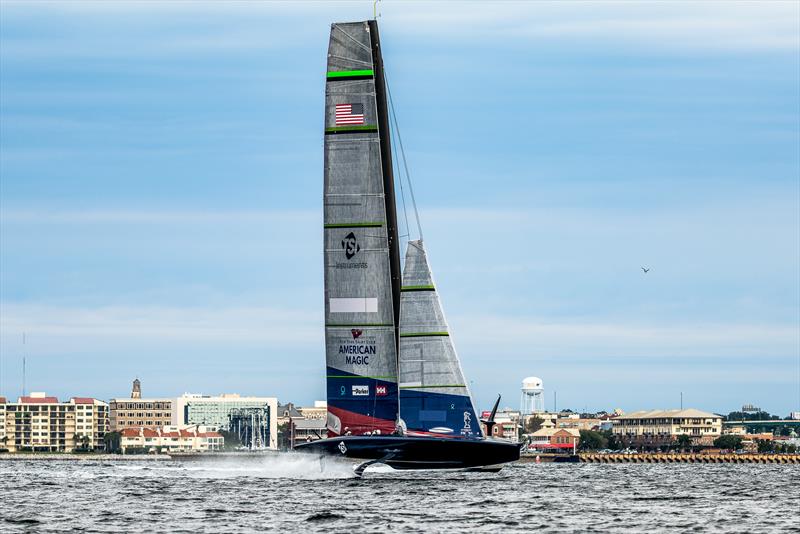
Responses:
[290,493]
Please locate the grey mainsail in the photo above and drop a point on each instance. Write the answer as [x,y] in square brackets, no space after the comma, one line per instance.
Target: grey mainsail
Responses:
[360,246]
[434,396]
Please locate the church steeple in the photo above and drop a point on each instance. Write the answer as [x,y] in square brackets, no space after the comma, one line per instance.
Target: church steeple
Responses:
[136,392]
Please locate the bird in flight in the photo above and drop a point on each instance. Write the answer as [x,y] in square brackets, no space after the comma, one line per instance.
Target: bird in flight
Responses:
[645,270]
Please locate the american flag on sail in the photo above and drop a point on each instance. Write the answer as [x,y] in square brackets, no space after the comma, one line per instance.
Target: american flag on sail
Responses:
[349,114]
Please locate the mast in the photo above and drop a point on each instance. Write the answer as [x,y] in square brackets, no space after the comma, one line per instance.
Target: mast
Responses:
[388,176]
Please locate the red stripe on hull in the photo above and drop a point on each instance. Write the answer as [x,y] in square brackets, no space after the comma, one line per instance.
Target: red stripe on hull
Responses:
[358,424]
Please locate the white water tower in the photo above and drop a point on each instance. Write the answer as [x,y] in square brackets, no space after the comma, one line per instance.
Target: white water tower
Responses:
[532,396]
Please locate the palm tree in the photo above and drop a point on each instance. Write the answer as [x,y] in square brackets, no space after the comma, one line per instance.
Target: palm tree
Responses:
[683,442]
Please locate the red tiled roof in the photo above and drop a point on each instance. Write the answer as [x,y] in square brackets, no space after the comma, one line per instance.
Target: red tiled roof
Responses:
[186,434]
[2,400]
[210,435]
[130,432]
[83,400]
[149,433]
[38,400]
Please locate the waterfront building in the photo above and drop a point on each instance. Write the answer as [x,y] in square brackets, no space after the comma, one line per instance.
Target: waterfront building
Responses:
[287,412]
[655,428]
[138,412]
[318,411]
[221,411]
[309,429]
[554,439]
[507,424]
[40,423]
[171,439]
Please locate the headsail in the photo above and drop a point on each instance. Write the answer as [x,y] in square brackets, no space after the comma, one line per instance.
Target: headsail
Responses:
[361,253]
[434,397]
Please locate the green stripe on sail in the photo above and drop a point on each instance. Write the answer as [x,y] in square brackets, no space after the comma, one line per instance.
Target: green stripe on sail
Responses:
[356,325]
[362,377]
[347,73]
[354,225]
[418,288]
[424,334]
[358,128]
[435,386]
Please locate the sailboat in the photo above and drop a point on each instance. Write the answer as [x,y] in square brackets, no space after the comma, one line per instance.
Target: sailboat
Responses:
[396,392]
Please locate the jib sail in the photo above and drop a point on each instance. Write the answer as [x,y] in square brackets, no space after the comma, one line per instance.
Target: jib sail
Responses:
[434,396]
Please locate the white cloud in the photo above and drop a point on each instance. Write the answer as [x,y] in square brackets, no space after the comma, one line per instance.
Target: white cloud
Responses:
[625,339]
[232,326]
[272,25]
[45,216]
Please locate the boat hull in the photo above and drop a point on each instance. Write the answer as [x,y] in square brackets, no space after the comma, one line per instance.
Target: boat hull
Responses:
[417,452]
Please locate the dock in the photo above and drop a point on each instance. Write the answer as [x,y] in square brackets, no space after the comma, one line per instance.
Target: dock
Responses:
[673,458]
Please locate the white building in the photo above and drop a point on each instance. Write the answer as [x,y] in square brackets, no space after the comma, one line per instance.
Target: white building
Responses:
[192,438]
[196,409]
[2,422]
[662,427]
[40,423]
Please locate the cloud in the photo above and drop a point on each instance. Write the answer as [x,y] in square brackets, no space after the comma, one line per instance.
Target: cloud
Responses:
[44,216]
[624,339]
[260,26]
[231,326]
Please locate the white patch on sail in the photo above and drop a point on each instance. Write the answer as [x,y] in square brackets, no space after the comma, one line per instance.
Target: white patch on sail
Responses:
[353,305]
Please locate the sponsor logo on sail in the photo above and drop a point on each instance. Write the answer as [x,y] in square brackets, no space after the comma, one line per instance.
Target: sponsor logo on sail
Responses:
[360,391]
[381,391]
[357,351]
[342,447]
[350,245]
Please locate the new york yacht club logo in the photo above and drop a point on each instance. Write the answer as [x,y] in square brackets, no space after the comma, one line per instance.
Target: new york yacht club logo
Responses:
[358,350]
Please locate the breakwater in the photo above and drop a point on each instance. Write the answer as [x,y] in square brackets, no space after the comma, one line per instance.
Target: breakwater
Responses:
[689,458]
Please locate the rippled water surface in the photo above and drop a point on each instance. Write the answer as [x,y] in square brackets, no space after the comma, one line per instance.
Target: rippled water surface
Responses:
[291,493]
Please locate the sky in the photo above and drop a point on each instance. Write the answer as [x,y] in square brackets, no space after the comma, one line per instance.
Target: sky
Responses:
[161,195]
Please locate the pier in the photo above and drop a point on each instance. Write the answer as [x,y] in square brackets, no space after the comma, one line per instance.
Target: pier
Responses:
[680,458]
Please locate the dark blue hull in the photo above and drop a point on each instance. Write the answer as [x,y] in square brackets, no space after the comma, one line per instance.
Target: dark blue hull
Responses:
[417,452]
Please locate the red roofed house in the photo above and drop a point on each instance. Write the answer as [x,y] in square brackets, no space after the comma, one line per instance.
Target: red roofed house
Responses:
[192,438]
[40,423]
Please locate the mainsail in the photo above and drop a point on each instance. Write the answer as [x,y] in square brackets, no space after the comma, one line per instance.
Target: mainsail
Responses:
[434,397]
[362,264]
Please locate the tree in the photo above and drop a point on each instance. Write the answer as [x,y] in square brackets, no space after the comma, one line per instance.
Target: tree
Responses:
[683,442]
[231,439]
[112,441]
[765,445]
[592,441]
[729,442]
[83,442]
[283,436]
[533,423]
[612,440]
